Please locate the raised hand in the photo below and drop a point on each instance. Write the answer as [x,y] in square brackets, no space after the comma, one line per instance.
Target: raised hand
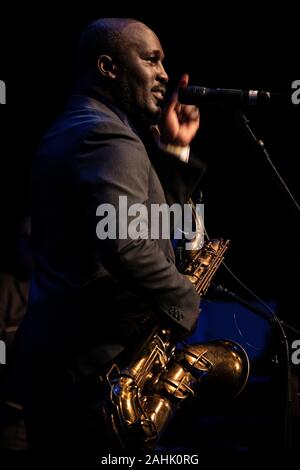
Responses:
[179,122]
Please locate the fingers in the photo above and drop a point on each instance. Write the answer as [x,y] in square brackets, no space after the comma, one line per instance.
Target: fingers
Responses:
[187,113]
[192,112]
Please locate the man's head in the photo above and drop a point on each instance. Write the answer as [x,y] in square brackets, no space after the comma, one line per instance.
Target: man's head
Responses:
[124,57]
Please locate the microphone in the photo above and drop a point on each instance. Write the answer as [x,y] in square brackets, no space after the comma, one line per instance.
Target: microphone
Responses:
[198,95]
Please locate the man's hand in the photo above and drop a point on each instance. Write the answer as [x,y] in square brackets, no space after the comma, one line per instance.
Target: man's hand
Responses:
[179,122]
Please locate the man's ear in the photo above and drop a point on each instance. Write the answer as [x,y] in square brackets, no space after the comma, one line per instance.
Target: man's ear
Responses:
[106,66]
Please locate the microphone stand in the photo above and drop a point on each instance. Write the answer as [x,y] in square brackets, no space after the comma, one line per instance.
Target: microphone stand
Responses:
[280,325]
[259,147]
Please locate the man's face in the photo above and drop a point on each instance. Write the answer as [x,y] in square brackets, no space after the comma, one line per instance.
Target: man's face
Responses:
[141,77]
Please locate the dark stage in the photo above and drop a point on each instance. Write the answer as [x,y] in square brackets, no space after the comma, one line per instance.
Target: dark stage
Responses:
[243,200]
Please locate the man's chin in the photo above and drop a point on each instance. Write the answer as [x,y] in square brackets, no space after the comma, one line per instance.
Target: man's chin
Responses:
[149,116]
[154,115]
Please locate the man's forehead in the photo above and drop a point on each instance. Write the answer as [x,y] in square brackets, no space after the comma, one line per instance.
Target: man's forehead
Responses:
[139,35]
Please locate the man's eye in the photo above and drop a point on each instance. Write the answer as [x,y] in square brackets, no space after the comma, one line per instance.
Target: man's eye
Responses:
[153,59]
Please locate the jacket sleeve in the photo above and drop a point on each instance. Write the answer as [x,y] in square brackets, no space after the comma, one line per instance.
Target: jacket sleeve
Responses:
[113,162]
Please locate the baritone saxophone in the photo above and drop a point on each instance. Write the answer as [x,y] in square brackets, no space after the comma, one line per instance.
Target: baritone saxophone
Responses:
[144,396]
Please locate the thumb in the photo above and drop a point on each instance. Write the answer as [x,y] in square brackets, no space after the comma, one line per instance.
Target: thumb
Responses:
[183,82]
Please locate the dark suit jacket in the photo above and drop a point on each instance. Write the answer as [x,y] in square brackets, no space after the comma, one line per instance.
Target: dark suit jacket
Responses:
[85,289]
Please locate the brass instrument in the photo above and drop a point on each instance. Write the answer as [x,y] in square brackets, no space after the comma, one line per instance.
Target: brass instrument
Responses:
[144,396]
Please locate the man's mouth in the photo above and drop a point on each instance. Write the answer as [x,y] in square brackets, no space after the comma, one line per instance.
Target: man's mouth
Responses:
[159,94]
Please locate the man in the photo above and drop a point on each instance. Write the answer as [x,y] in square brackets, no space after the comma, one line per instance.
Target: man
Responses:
[92,300]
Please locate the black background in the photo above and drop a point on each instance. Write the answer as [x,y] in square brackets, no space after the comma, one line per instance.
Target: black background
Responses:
[218,47]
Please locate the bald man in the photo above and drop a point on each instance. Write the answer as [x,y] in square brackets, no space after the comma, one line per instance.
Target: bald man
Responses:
[93,298]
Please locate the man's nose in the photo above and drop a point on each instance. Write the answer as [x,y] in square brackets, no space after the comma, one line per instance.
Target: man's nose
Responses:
[163,76]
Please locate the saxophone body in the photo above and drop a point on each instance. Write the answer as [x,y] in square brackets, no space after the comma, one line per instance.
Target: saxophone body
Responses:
[143,397]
